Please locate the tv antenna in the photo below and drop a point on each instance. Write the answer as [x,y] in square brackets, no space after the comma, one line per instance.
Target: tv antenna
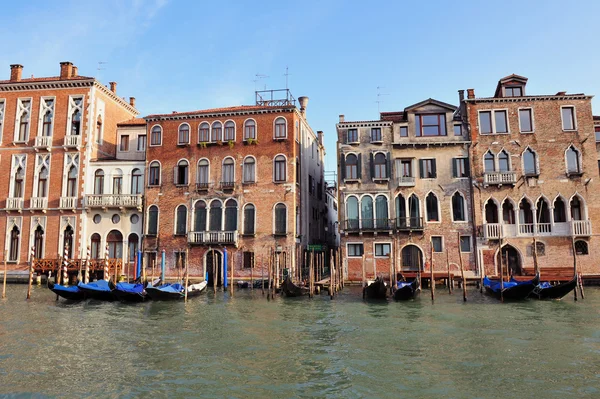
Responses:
[257,78]
[286,74]
[379,95]
[100,65]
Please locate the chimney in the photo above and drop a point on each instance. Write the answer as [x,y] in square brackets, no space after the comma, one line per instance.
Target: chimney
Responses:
[461,96]
[561,93]
[74,72]
[132,101]
[342,118]
[113,87]
[66,69]
[470,93]
[303,103]
[16,72]
[320,136]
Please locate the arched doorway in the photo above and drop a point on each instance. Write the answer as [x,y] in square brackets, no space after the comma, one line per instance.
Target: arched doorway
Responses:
[214,267]
[512,258]
[412,258]
[115,244]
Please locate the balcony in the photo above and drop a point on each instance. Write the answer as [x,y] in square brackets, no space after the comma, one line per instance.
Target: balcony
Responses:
[72,141]
[576,228]
[68,203]
[114,201]
[581,228]
[213,237]
[409,224]
[382,225]
[499,178]
[14,204]
[38,203]
[44,142]
[201,186]
[405,181]
[492,231]
[227,185]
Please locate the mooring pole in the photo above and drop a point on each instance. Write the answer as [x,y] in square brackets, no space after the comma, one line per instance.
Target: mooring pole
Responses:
[5,271]
[462,270]
[432,281]
[448,267]
[187,274]
[574,265]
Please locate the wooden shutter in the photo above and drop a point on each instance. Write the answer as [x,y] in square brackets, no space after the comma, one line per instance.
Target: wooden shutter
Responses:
[342,166]
[388,168]
[421,168]
[359,166]
[433,169]
[467,167]
[371,166]
[175,175]
[455,162]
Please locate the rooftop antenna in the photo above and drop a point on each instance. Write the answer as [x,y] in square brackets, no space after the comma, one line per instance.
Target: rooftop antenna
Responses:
[257,78]
[379,100]
[286,74]
[100,65]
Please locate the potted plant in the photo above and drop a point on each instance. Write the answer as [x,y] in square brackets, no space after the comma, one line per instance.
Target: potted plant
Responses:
[202,144]
[231,143]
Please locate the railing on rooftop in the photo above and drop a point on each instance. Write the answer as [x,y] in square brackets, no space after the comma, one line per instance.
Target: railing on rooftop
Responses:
[281,97]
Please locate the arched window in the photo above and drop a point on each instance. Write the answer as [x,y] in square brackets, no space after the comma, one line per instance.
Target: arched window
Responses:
[249,217]
[560,214]
[573,166]
[401,221]
[489,164]
[280,219]
[217,132]
[115,244]
[508,212]
[279,172]
[581,247]
[68,242]
[200,216]
[203,173]
[181,220]
[181,173]
[47,124]
[13,253]
[156,136]
[118,182]
[503,161]
[431,205]
[530,163]
[525,212]
[380,162]
[352,213]
[154,174]
[351,166]
[576,209]
[459,212]
[42,189]
[414,211]
[153,220]
[216,215]
[95,248]
[543,213]
[231,215]
[72,182]
[76,123]
[38,243]
[229,131]
[184,134]
[249,172]
[99,182]
[249,129]
[366,209]
[24,121]
[228,177]
[136,181]
[280,128]
[132,247]
[381,212]
[18,186]
[491,212]
[204,132]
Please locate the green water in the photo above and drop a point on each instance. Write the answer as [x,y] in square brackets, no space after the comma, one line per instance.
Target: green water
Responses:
[216,346]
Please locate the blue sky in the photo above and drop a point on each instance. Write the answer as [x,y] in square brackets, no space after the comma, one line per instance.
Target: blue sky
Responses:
[186,55]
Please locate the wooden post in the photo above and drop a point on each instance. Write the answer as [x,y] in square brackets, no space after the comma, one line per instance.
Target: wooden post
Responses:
[574,265]
[88,255]
[331,275]
[536,268]
[232,274]
[214,271]
[262,275]
[502,273]
[251,271]
[31,273]
[580,284]
[448,266]
[432,281]
[481,273]
[153,264]
[127,270]
[5,271]
[364,277]
[311,274]
[462,270]
[187,274]
[143,268]
[391,260]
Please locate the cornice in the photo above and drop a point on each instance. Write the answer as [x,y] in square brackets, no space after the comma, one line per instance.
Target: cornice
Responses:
[219,114]
[46,85]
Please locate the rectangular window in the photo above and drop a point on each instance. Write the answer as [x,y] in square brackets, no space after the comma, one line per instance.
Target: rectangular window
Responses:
[501,123]
[118,185]
[430,125]
[465,243]
[525,121]
[404,168]
[376,135]
[513,91]
[141,142]
[428,169]
[382,249]
[355,250]
[155,136]
[124,146]
[568,118]
[248,260]
[485,122]
[460,167]
[352,135]
[597,130]
[154,176]
[457,130]
[23,119]
[403,131]
[180,259]
[437,243]
[498,125]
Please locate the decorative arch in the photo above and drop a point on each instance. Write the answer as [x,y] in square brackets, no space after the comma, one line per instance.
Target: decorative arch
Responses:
[412,257]
[216,131]
[204,132]
[530,162]
[280,219]
[203,174]
[153,219]
[577,207]
[249,219]
[573,160]
[489,162]
[512,257]
[491,210]
[509,207]
[280,168]
[249,171]
[367,211]
[504,161]
[200,215]
[216,215]
[559,207]
[228,170]
[280,128]
[250,129]
[156,135]
[459,207]
[231,212]
[352,212]
[432,208]
[180,220]
[229,132]
[183,133]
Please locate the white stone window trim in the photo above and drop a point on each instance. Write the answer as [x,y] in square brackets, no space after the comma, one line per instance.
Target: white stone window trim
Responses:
[470,244]
[286,128]
[439,209]
[467,163]
[244,219]
[436,171]
[286,169]
[176,220]
[149,139]
[42,112]
[18,160]
[20,111]
[382,256]
[147,224]
[413,166]
[70,159]
[255,169]
[71,109]
[11,222]
[355,243]
[287,225]
[465,208]
[189,138]
[532,119]
[255,129]
[579,160]
[234,130]
[562,122]
[2,111]
[66,221]
[34,223]
[159,173]
[41,160]
[200,126]
[210,132]
[537,161]
[493,116]
[223,169]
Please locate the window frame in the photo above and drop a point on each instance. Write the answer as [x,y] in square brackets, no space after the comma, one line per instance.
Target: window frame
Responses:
[176,224]
[160,132]
[531,120]
[464,165]
[465,207]
[216,131]
[2,112]
[470,240]
[380,138]
[433,168]
[254,174]
[442,246]
[382,243]
[579,171]
[255,130]
[438,206]
[359,244]
[492,113]
[159,173]
[573,118]
[72,108]
[177,175]
[179,131]
[353,130]
[275,168]
[512,88]
[275,136]
[147,227]
[204,127]
[244,232]
[19,114]
[223,170]
[536,162]
[225,127]
[138,142]
[42,114]
[121,147]
[419,126]
[275,232]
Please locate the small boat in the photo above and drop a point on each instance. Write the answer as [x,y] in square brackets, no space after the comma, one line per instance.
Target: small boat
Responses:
[175,291]
[513,290]
[72,293]
[406,290]
[242,284]
[292,290]
[375,289]
[545,290]
[128,292]
[100,290]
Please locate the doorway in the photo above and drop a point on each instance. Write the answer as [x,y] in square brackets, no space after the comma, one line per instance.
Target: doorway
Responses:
[511,257]
[214,267]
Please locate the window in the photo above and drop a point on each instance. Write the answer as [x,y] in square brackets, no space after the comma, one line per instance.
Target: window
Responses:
[500,122]
[460,167]
[249,129]
[403,131]
[181,173]
[459,213]
[279,172]
[280,128]
[132,247]
[581,247]
[499,125]
[457,130]
[431,204]
[141,142]
[124,146]
[248,262]
[42,188]
[355,250]
[216,215]
[134,219]
[38,243]
[437,243]
[183,136]
[485,122]
[15,235]
[529,163]
[382,250]
[597,130]
[203,170]
[430,125]
[503,161]
[200,216]
[118,182]
[180,220]
[216,132]
[48,110]
[156,136]
[376,135]
[18,189]
[22,129]
[352,213]
[576,209]
[231,215]
[249,172]
[229,131]
[154,174]
[380,169]
[136,181]
[99,129]
[115,244]
[72,182]
[115,218]
[280,219]
[204,133]
[560,214]
[540,249]
[228,171]
[427,169]
[76,123]
[572,156]
[508,212]
[1,118]
[249,217]
[351,167]
[568,118]
[153,220]
[381,212]
[465,243]
[513,91]
[525,121]
[404,168]
[352,135]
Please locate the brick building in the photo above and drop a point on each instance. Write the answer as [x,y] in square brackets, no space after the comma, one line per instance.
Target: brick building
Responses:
[535,175]
[245,179]
[403,188]
[50,130]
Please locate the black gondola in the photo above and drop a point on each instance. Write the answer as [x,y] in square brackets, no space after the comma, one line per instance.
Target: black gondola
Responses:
[375,289]
[127,292]
[513,290]
[407,290]
[292,290]
[72,293]
[176,291]
[100,290]
[546,290]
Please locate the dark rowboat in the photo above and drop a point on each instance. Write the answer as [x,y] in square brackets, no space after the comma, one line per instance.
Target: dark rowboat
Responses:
[100,290]
[290,289]
[513,290]
[169,292]
[72,293]
[546,290]
[407,290]
[127,292]
[375,289]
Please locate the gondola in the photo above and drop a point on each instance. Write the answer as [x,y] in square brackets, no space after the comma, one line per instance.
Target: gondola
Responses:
[72,293]
[513,290]
[375,289]
[128,292]
[407,290]
[545,290]
[167,292]
[100,290]
[292,290]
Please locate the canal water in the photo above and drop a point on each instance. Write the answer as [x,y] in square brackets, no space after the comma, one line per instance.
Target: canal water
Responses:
[216,346]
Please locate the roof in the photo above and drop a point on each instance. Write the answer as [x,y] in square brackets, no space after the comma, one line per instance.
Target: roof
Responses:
[431,101]
[45,79]
[238,108]
[533,97]
[133,122]
[506,79]
[397,116]
[597,117]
